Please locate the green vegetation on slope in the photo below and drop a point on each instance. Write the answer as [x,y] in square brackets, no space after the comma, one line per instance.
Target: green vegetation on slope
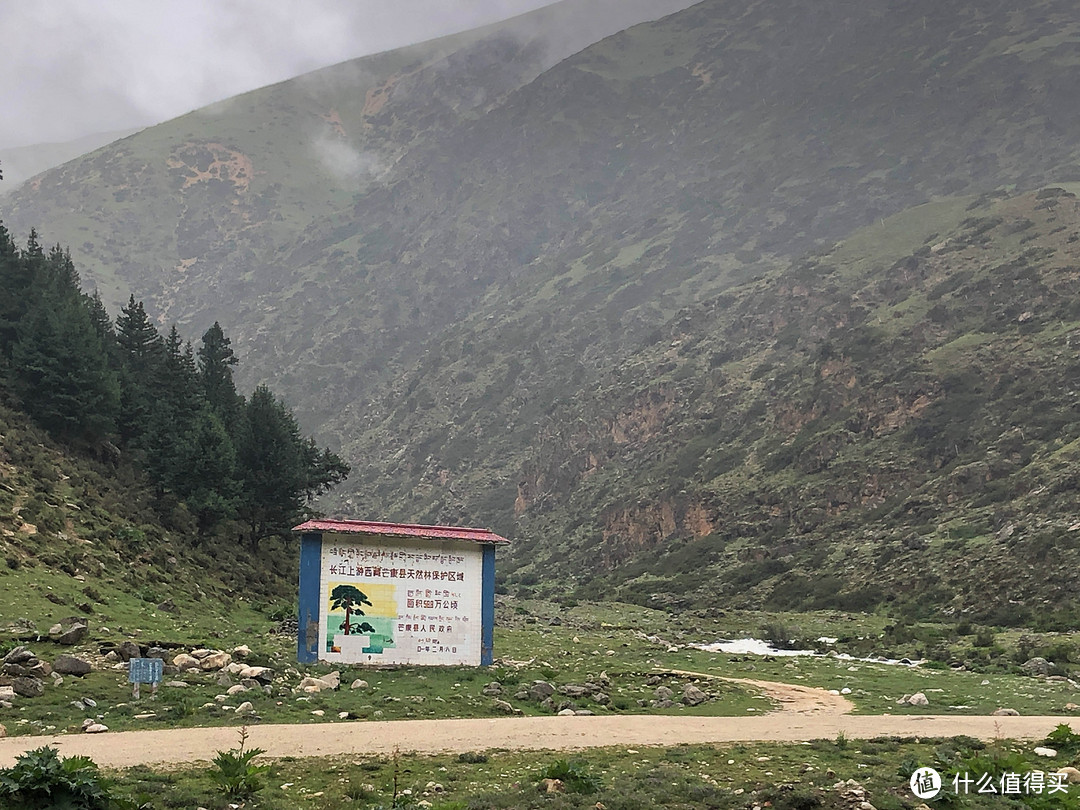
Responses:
[581,308]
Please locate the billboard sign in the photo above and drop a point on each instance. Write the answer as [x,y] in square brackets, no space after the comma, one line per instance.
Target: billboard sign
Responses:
[401,600]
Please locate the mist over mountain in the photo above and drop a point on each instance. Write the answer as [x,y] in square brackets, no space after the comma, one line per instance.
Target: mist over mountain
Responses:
[597,303]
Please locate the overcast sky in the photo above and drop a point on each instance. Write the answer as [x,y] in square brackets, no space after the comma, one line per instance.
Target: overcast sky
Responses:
[71,68]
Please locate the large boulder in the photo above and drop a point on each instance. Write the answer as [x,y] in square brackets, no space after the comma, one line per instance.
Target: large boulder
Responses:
[184,661]
[216,660]
[541,690]
[19,655]
[28,687]
[1037,666]
[69,631]
[129,650]
[70,665]
[692,696]
[261,674]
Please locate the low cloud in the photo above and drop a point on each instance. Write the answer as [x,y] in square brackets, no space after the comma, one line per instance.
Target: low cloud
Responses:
[346,164]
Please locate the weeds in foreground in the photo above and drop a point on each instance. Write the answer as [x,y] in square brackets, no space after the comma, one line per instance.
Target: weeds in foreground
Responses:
[574,774]
[235,772]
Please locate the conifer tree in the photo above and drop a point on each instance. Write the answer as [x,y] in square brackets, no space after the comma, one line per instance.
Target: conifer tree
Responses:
[141,360]
[216,360]
[60,363]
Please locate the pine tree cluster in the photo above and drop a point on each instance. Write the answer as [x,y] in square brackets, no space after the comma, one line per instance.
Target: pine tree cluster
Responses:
[154,401]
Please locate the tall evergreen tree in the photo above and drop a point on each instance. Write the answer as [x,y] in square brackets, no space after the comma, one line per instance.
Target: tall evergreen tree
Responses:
[216,360]
[141,362]
[279,470]
[16,276]
[60,363]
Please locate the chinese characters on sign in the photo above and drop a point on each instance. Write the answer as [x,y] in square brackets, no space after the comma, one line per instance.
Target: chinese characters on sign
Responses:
[392,602]
[926,783]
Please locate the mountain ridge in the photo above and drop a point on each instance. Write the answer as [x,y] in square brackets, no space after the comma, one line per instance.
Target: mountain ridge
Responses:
[491,327]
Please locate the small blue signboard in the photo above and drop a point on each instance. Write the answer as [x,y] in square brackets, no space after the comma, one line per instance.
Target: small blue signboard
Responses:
[145,670]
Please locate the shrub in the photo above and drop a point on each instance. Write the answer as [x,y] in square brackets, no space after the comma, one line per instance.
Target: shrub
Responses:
[39,779]
[574,773]
[235,773]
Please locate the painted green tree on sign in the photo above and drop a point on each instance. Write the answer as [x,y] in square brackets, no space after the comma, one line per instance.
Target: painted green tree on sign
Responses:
[348,598]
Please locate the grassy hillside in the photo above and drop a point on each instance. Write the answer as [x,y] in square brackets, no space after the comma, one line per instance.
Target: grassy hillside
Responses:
[83,537]
[598,308]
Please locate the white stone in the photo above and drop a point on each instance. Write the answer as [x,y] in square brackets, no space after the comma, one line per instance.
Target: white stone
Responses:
[318,712]
[246,706]
[243,651]
[359,683]
[1041,751]
[236,690]
[215,660]
[96,728]
[918,699]
[184,661]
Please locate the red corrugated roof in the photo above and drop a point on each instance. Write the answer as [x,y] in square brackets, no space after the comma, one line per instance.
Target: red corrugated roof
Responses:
[401,529]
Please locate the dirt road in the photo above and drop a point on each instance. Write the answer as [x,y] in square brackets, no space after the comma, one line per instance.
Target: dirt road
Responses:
[803,714]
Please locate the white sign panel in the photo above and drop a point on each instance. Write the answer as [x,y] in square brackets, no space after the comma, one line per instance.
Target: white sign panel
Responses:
[408,601]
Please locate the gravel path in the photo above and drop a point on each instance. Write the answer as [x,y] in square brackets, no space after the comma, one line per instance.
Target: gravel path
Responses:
[803,714]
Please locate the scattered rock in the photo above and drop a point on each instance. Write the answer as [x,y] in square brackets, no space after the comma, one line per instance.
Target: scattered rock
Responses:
[1006,713]
[262,674]
[243,651]
[583,713]
[1072,774]
[215,660]
[359,683]
[184,661]
[28,686]
[19,655]
[223,679]
[201,653]
[158,652]
[552,786]
[333,680]
[493,688]
[663,693]
[692,696]
[112,657]
[236,690]
[1071,707]
[3,731]
[566,713]
[918,699]
[1042,751]
[95,728]
[176,684]
[246,706]
[318,712]
[541,690]
[129,650]
[575,690]
[504,707]
[71,633]
[168,606]
[1037,666]
[70,665]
